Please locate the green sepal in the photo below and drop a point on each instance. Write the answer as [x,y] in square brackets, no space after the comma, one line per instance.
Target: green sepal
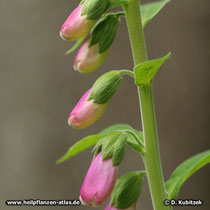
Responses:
[123,127]
[184,171]
[105,87]
[98,147]
[120,127]
[133,144]
[82,2]
[127,190]
[112,145]
[136,141]
[76,45]
[104,32]
[145,72]
[94,8]
[148,11]
[109,142]
[119,150]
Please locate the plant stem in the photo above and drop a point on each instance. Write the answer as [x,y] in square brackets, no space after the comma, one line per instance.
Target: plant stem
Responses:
[152,156]
[127,72]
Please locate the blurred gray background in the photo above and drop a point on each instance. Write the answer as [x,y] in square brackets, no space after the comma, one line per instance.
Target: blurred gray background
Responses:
[39,88]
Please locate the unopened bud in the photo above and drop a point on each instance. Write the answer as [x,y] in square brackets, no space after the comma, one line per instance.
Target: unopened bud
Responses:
[127,190]
[99,181]
[76,25]
[105,87]
[88,59]
[86,112]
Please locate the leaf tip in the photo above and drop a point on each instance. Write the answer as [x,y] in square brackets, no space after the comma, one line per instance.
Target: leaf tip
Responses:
[168,56]
[59,161]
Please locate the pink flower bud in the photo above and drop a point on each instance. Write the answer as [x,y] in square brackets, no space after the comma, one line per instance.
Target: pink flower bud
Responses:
[99,181]
[76,25]
[86,112]
[109,207]
[88,59]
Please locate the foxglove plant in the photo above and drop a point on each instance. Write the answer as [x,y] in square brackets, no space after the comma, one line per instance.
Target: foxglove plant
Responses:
[90,22]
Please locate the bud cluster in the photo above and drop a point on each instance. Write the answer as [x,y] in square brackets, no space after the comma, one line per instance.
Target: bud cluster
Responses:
[89,17]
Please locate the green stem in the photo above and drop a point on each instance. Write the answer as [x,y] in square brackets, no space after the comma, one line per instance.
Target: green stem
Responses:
[127,72]
[152,156]
[119,14]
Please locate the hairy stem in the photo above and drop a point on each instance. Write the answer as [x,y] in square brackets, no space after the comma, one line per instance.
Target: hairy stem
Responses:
[152,157]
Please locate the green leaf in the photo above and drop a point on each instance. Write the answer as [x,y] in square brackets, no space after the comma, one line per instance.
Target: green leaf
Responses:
[148,11]
[145,72]
[184,171]
[75,46]
[80,146]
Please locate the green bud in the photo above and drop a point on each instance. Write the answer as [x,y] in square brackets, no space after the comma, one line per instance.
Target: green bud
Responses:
[94,8]
[105,87]
[104,32]
[127,190]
